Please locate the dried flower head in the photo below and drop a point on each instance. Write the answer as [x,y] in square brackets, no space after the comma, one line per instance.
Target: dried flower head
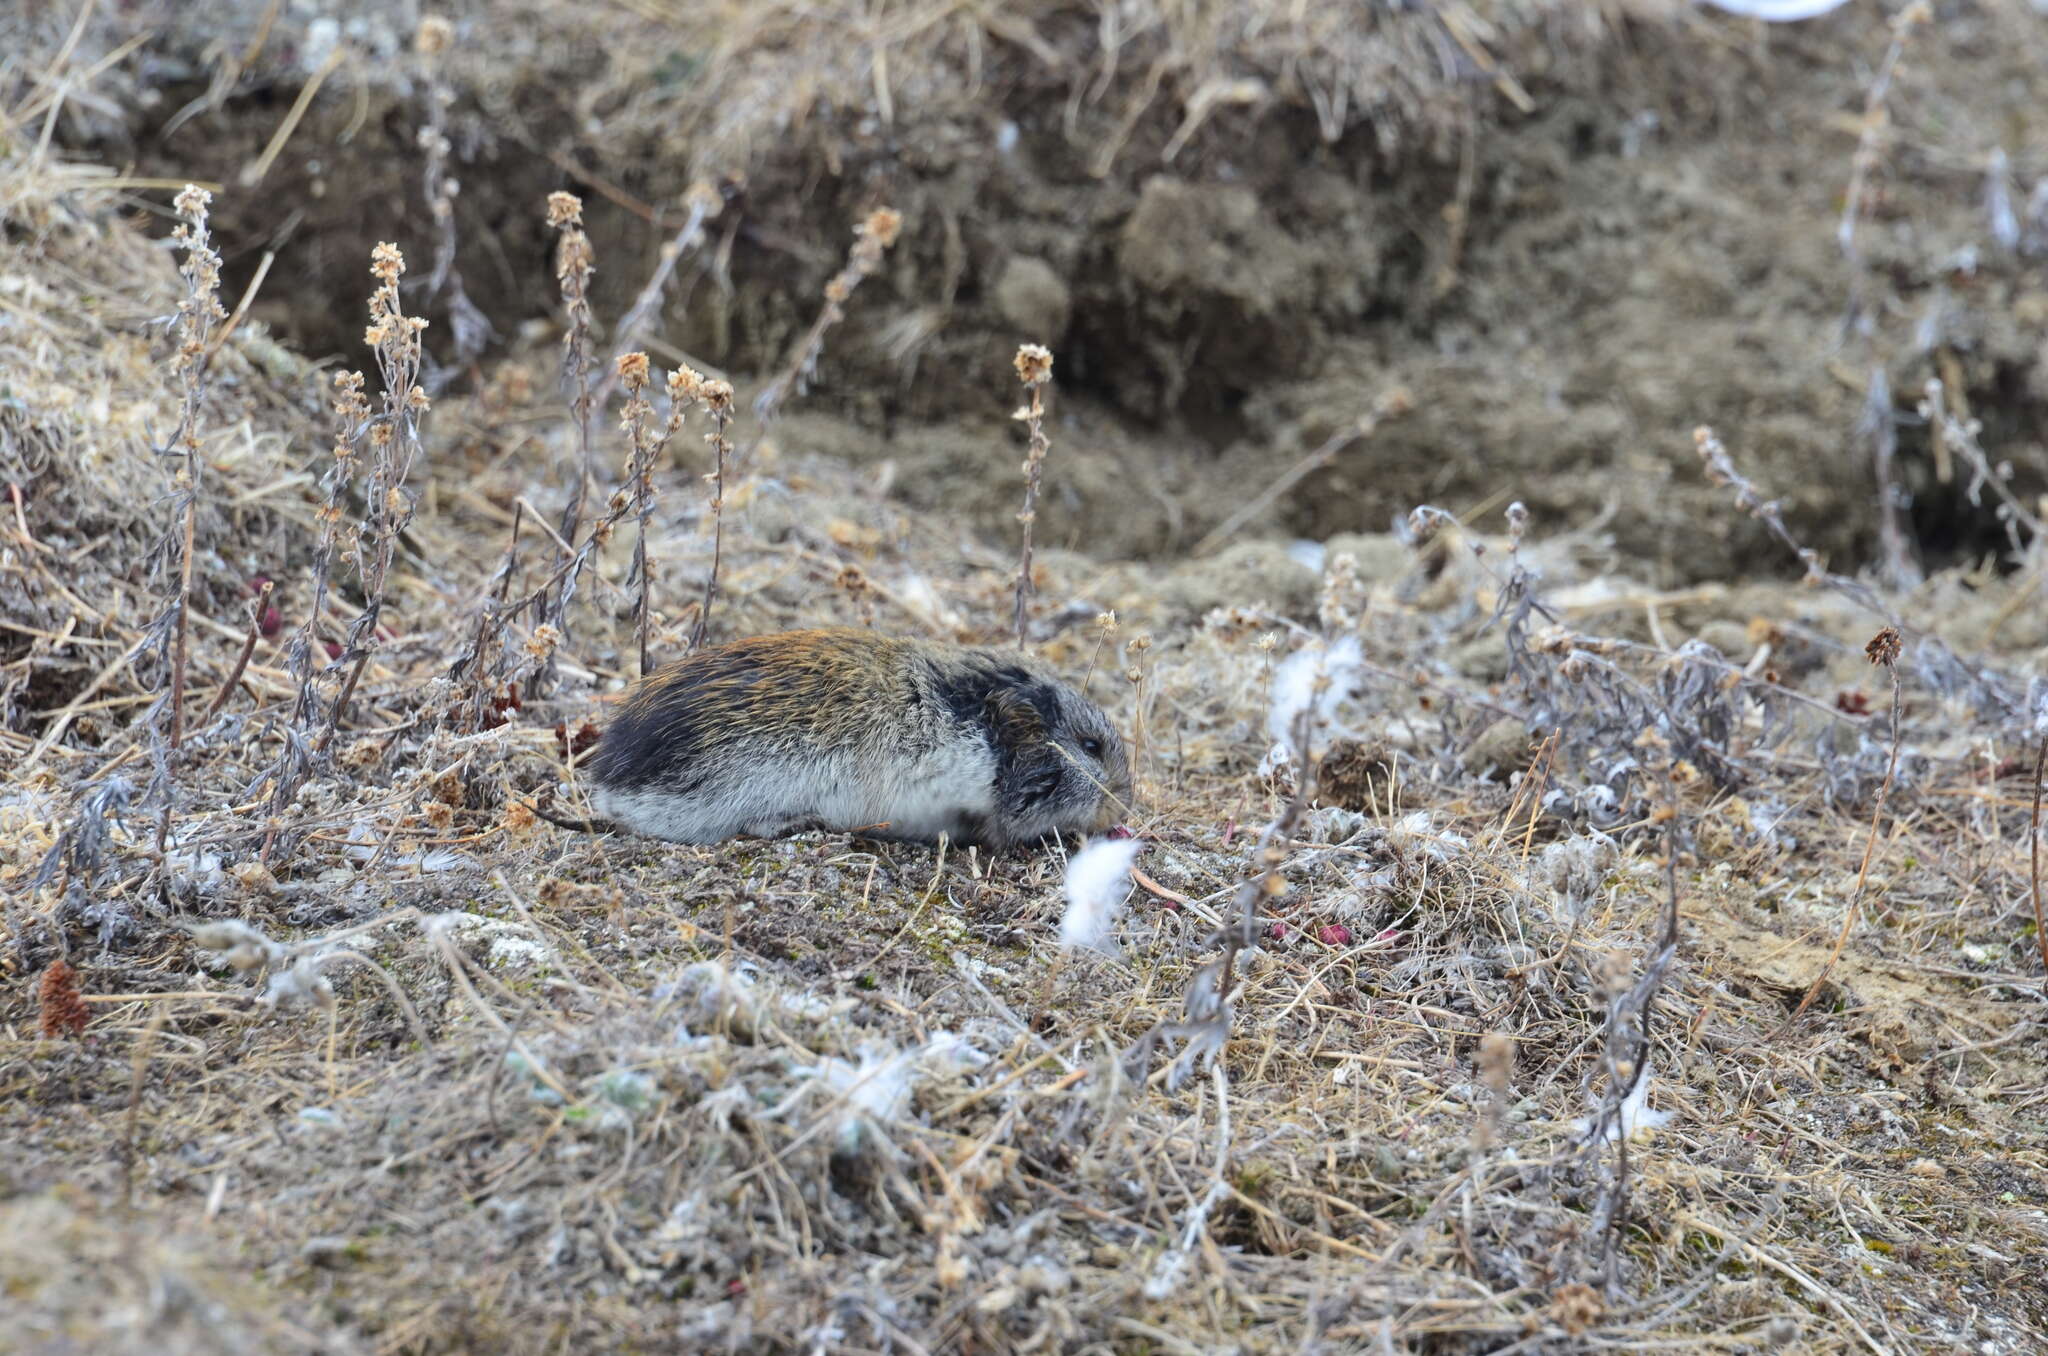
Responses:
[633,370]
[519,822]
[62,1011]
[1034,364]
[564,209]
[1343,602]
[386,263]
[883,225]
[716,395]
[1576,1307]
[703,196]
[1884,647]
[434,36]
[192,202]
[685,385]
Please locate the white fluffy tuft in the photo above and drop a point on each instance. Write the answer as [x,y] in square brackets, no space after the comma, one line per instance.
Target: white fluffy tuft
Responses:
[1098,880]
[1421,831]
[1778,11]
[1295,687]
[1635,1116]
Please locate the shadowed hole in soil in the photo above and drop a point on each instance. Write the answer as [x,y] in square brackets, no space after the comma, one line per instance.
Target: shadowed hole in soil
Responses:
[1949,526]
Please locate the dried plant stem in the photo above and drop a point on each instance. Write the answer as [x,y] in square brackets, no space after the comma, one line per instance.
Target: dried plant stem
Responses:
[227,689]
[634,494]
[63,59]
[469,328]
[1876,423]
[249,294]
[1140,651]
[198,311]
[2034,852]
[1879,427]
[1870,142]
[1034,369]
[702,204]
[1720,470]
[180,641]
[717,399]
[394,449]
[1393,403]
[574,262]
[1269,884]
[138,1069]
[351,420]
[639,490]
[1956,434]
[1877,648]
[391,987]
[253,172]
[872,237]
[641,612]
[1625,1055]
[1207,1007]
[1173,1263]
[479,670]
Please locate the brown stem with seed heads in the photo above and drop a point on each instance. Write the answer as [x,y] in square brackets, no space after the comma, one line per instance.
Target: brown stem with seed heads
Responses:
[701,204]
[717,398]
[1882,650]
[638,494]
[573,266]
[717,533]
[872,238]
[394,437]
[488,622]
[197,314]
[1034,369]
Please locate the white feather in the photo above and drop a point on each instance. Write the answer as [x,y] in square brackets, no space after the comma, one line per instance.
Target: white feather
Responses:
[1098,880]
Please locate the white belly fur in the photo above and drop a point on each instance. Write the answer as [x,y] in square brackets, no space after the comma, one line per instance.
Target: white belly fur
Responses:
[770,794]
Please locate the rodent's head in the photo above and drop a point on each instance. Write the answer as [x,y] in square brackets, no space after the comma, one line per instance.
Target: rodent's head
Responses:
[1061,767]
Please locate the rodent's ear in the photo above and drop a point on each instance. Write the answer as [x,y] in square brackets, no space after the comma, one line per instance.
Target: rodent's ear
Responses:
[1016,718]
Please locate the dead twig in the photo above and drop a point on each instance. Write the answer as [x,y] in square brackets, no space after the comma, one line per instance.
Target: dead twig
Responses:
[1883,649]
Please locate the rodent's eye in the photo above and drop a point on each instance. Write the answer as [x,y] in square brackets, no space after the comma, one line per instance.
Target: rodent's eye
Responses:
[1091,746]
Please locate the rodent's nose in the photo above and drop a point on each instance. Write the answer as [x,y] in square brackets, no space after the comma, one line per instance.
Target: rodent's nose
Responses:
[1108,811]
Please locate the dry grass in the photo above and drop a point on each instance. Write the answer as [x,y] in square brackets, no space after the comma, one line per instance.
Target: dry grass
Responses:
[381,1063]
